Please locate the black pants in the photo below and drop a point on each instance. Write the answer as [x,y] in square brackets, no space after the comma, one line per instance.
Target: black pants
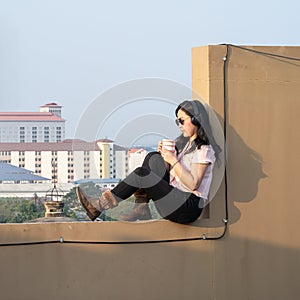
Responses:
[153,177]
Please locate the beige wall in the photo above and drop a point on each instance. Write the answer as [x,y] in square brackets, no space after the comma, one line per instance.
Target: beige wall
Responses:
[259,256]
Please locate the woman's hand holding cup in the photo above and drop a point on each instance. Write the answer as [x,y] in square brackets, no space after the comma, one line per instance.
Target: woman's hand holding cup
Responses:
[168,145]
[167,150]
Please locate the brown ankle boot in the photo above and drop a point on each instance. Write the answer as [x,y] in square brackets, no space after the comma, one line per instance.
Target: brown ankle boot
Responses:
[141,210]
[108,200]
[94,207]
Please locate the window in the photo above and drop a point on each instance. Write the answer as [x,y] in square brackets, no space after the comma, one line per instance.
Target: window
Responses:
[58,134]
[22,134]
[34,134]
[46,134]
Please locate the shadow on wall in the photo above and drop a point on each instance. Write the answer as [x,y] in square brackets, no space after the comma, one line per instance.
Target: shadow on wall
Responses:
[244,171]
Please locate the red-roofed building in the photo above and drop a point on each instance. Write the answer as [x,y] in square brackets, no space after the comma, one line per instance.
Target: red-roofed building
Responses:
[52,107]
[73,159]
[45,126]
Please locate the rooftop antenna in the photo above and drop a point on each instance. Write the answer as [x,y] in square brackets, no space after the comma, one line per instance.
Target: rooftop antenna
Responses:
[54,204]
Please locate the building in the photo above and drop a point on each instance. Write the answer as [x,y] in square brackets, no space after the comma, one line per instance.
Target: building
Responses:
[136,157]
[36,141]
[10,174]
[19,182]
[121,165]
[45,126]
[68,161]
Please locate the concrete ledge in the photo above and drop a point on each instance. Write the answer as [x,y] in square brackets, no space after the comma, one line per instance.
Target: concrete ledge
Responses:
[105,271]
[153,230]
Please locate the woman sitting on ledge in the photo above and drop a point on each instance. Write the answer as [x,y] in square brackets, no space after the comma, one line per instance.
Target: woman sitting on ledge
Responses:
[177,181]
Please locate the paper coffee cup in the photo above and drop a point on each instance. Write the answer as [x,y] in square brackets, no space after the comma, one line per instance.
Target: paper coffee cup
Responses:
[168,144]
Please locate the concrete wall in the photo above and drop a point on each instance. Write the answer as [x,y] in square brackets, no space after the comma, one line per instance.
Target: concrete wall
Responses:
[259,257]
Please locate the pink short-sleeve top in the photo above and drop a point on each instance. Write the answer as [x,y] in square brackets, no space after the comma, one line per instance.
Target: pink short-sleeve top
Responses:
[204,155]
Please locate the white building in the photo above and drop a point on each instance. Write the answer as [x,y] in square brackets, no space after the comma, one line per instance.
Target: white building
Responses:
[136,157]
[68,161]
[45,126]
[121,162]
[35,141]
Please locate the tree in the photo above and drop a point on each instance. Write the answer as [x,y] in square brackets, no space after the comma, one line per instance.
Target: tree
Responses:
[14,210]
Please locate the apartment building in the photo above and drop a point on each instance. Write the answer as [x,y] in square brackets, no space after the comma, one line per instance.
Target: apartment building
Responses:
[136,157]
[69,160]
[45,126]
[36,141]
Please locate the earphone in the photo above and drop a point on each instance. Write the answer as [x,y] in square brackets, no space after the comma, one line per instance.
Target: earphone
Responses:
[194,119]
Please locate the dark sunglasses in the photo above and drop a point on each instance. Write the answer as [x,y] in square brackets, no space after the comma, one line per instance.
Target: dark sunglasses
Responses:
[180,121]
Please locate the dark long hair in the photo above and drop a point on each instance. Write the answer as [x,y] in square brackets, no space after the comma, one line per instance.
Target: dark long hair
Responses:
[201,120]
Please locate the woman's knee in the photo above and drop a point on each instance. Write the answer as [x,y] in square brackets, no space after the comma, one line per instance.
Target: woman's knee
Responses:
[141,171]
[151,155]
[153,158]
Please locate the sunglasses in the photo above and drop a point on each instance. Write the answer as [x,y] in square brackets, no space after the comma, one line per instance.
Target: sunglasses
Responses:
[180,121]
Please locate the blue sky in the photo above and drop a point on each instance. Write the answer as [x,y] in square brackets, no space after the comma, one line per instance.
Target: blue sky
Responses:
[72,51]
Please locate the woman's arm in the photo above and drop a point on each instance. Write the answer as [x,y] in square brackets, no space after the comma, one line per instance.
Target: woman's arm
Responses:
[190,178]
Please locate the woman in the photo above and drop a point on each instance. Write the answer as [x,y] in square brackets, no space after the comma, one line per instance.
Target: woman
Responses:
[177,181]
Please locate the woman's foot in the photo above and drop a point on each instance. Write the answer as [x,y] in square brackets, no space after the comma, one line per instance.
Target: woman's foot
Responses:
[141,210]
[94,207]
[107,200]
